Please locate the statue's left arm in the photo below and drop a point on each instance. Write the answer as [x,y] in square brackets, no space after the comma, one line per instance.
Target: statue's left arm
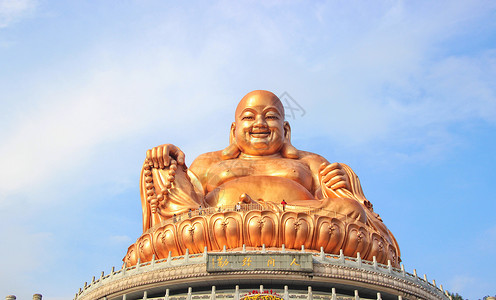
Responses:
[333,180]
[338,180]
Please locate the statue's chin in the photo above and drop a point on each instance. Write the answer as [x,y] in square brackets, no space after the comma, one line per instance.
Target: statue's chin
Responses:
[260,146]
[268,188]
[258,149]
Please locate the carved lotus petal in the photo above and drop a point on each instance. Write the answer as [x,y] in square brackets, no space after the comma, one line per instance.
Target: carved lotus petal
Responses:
[226,229]
[193,235]
[393,256]
[297,229]
[357,240]
[262,228]
[255,228]
[131,259]
[378,249]
[144,247]
[165,240]
[330,234]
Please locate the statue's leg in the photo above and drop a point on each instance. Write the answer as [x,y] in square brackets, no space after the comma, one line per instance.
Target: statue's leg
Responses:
[347,207]
[341,208]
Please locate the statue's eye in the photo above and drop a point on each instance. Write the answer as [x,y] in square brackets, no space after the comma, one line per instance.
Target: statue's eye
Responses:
[272,117]
[248,118]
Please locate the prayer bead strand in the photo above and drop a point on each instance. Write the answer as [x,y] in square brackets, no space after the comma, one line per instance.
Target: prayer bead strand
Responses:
[152,197]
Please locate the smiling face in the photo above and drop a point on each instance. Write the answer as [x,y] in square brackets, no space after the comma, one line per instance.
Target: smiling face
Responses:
[259,126]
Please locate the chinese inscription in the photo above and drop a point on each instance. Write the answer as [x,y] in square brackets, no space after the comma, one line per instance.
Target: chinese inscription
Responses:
[219,262]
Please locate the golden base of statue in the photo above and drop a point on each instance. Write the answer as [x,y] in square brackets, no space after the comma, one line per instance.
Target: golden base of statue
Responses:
[232,227]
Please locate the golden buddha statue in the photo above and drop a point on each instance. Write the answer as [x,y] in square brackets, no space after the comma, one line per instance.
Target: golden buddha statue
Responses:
[323,205]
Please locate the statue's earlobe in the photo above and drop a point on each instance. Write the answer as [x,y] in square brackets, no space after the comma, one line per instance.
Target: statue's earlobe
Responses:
[287,132]
[288,150]
[231,133]
[232,151]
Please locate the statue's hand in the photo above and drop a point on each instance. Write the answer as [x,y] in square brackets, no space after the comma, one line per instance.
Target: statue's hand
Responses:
[332,177]
[160,156]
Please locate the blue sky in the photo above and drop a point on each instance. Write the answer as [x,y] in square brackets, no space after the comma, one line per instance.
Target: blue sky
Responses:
[402,91]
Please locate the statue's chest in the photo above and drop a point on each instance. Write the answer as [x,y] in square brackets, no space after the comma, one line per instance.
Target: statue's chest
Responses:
[281,167]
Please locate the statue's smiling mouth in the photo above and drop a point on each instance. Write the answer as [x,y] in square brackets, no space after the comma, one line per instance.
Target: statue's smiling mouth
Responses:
[260,134]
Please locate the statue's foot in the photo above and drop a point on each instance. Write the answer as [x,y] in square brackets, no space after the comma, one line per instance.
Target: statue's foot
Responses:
[246,199]
[264,205]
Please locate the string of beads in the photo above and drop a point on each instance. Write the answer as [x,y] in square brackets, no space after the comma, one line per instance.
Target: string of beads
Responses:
[152,196]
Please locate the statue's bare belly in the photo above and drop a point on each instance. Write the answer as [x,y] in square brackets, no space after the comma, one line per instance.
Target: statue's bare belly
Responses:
[268,188]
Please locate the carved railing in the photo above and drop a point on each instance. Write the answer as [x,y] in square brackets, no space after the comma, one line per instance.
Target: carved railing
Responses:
[319,258]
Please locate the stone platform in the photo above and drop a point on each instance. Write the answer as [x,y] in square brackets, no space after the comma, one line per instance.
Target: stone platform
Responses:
[260,275]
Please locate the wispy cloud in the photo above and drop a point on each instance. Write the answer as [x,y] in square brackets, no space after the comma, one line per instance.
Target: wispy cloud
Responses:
[486,240]
[27,251]
[395,84]
[381,82]
[59,133]
[121,239]
[14,10]
[461,282]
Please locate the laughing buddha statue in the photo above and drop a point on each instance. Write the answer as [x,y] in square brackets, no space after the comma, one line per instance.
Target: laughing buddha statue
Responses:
[260,190]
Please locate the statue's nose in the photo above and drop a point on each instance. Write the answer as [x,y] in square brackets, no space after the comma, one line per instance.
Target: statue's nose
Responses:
[260,121]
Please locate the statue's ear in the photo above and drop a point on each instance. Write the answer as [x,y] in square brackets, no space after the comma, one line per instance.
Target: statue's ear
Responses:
[231,133]
[287,132]
[288,150]
[232,151]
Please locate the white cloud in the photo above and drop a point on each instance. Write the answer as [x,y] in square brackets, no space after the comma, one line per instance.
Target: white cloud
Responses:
[56,135]
[126,93]
[60,133]
[13,10]
[121,239]
[486,240]
[461,282]
[389,83]
[26,252]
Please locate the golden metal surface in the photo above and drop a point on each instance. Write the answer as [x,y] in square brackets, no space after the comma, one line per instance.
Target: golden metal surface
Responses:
[325,206]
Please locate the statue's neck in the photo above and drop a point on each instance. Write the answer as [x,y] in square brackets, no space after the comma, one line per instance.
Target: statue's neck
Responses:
[248,156]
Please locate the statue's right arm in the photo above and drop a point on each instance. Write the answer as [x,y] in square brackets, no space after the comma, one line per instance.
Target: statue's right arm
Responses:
[166,186]
[161,155]
[202,164]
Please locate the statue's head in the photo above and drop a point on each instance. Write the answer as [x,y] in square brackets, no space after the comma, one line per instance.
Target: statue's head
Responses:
[259,128]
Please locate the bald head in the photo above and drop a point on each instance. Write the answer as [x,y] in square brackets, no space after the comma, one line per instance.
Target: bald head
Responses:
[259,98]
[259,128]
[259,124]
